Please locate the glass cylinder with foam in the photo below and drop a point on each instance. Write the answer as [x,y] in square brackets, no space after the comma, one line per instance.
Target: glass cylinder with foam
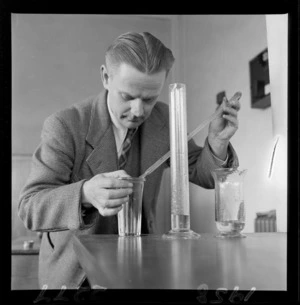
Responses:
[180,202]
[229,201]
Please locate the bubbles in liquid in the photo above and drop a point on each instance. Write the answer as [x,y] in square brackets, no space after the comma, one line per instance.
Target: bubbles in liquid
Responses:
[230,215]
[180,222]
[230,227]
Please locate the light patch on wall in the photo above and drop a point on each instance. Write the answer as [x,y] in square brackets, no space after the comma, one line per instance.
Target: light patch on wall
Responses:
[267,89]
[273,157]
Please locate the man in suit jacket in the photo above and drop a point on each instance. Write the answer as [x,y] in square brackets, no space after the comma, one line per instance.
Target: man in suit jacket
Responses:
[73,186]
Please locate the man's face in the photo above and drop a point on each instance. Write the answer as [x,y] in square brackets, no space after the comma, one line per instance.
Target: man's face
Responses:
[132,94]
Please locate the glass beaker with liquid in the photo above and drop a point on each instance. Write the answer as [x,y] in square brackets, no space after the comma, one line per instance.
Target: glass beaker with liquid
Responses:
[130,217]
[230,211]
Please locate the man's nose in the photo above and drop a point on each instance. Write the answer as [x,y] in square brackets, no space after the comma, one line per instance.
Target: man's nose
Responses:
[137,107]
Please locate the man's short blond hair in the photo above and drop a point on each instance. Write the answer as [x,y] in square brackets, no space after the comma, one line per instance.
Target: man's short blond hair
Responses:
[143,51]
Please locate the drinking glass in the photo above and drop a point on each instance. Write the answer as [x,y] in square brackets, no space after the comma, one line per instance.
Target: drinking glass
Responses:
[129,218]
[229,201]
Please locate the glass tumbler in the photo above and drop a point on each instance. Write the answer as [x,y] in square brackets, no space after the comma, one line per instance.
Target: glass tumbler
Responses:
[130,217]
[229,201]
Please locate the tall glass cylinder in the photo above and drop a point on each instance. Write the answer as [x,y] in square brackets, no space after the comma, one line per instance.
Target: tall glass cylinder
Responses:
[180,201]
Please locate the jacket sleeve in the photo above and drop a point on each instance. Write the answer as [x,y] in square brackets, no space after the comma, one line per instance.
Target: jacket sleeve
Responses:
[202,162]
[51,199]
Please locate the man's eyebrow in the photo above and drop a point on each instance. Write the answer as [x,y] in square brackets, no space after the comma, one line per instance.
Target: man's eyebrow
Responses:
[150,97]
[143,98]
[123,92]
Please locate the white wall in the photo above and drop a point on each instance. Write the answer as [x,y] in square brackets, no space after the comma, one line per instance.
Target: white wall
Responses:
[56,62]
[216,55]
[277,32]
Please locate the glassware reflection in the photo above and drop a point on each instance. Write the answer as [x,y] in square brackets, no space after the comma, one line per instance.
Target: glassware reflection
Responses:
[130,256]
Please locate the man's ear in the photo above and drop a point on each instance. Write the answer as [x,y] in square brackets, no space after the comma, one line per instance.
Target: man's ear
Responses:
[104,76]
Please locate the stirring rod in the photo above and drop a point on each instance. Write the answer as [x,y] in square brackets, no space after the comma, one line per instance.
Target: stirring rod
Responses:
[165,157]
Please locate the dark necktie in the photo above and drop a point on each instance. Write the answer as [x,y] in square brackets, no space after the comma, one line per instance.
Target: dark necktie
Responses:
[126,147]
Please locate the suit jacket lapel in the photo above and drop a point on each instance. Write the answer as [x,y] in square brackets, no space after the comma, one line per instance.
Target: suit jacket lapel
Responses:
[154,139]
[154,144]
[101,137]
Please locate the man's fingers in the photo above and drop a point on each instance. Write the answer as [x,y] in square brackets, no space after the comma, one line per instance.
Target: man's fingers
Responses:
[233,102]
[235,105]
[112,180]
[232,120]
[119,193]
[115,203]
[114,183]
[229,110]
[117,174]
[112,206]
[110,212]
